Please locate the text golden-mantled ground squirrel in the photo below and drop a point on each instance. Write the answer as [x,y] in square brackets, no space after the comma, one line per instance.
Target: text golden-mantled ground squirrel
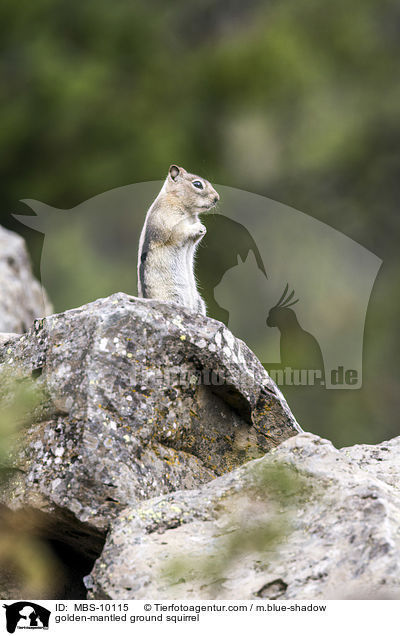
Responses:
[170,235]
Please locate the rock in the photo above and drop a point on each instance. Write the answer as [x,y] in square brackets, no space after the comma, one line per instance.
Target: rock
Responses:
[6,337]
[381,460]
[141,398]
[158,436]
[22,299]
[343,540]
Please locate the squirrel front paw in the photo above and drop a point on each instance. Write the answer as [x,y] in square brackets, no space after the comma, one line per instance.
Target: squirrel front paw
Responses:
[199,230]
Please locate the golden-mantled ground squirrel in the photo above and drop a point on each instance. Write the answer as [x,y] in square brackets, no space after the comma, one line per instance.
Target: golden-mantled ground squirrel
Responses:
[169,238]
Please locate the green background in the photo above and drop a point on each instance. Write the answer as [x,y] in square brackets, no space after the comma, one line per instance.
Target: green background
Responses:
[297,100]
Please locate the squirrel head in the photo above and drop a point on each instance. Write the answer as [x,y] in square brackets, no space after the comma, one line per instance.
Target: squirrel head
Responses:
[196,193]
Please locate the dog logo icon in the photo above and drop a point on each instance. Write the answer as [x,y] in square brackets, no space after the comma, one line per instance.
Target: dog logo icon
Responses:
[26,615]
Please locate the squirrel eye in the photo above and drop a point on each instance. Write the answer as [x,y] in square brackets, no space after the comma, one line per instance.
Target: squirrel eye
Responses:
[198,184]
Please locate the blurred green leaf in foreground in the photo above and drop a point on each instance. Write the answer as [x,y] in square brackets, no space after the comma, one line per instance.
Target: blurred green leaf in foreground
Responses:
[27,567]
[250,523]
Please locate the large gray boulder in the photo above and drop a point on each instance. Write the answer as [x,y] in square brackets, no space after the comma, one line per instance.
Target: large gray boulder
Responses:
[141,398]
[153,429]
[22,299]
[342,540]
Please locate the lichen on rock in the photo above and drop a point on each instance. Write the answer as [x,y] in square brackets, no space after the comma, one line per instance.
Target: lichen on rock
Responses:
[134,410]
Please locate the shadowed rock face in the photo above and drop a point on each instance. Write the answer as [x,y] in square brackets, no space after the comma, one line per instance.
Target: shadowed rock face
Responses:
[126,416]
[343,539]
[22,299]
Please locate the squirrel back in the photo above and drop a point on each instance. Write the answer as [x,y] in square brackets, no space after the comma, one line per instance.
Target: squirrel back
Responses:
[169,238]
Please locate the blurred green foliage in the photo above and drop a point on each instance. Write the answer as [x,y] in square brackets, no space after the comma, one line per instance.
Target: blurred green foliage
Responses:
[298,100]
[252,523]
[18,402]
[27,566]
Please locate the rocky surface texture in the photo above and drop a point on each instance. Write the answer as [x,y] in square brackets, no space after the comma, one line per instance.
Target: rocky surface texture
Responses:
[152,430]
[142,398]
[22,298]
[343,541]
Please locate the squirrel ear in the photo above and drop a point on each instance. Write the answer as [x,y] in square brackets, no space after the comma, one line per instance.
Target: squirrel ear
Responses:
[174,172]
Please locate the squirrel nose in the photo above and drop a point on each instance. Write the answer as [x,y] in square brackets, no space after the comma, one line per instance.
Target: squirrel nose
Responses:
[216,198]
